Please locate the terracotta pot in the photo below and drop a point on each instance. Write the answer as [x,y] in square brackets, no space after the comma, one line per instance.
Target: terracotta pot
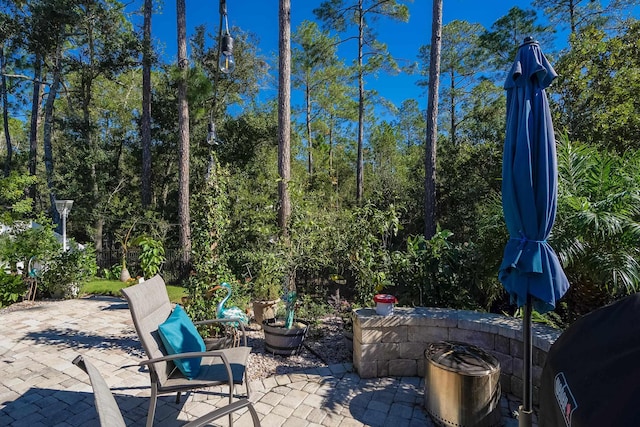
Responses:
[264,310]
[124,274]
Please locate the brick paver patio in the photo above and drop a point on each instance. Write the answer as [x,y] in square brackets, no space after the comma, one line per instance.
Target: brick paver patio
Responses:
[39,386]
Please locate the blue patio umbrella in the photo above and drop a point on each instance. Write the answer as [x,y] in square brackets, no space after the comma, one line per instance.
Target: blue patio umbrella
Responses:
[530,270]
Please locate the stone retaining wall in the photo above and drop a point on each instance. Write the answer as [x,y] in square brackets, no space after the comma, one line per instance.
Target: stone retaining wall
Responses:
[394,345]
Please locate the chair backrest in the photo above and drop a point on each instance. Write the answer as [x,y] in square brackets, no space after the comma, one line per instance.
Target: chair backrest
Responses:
[108,411]
[150,306]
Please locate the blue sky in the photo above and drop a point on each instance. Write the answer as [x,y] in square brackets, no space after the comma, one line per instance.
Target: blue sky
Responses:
[403,39]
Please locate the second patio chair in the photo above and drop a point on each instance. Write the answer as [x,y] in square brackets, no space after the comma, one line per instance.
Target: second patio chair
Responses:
[150,307]
[109,413]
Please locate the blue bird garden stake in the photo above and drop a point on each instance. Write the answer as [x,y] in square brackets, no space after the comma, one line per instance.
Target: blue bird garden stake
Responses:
[234,312]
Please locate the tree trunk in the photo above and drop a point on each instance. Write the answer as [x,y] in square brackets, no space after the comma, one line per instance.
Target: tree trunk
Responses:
[165,186]
[331,145]
[35,115]
[87,76]
[184,217]
[284,114]
[360,165]
[5,112]
[97,234]
[572,16]
[99,219]
[310,142]
[453,108]
[432,123]
[145,131]
[48,127]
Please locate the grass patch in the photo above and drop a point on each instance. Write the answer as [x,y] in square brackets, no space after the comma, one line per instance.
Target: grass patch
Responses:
[100,286]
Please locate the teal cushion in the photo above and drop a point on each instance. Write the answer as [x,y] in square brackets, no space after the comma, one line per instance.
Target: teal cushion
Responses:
[179,335]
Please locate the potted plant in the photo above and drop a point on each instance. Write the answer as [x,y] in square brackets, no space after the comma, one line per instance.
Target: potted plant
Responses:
[266,289]
[286,336]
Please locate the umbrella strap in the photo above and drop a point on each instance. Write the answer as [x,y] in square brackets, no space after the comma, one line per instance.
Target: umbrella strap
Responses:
[523,241]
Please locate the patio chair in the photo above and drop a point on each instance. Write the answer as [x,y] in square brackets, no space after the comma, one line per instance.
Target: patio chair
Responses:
[150,307]
[110,415]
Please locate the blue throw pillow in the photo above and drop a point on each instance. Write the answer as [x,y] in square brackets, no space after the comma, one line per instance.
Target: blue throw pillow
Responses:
[179,335]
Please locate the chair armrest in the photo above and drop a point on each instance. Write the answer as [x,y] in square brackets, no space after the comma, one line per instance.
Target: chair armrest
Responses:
[239,322]
[188,355]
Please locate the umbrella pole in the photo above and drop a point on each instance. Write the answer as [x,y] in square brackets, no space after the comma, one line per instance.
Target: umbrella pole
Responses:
[526,410]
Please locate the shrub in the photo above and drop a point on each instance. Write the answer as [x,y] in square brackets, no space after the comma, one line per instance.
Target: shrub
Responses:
[368,235]
[12,287]
[441,273]
[23,242]
[112,273]
[597,227]
[151,255]
[66,272]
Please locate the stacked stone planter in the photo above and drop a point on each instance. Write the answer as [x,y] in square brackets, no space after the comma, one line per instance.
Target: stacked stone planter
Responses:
[394,345]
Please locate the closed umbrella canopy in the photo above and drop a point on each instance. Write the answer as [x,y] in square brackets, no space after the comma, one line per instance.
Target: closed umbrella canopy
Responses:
[530,269]
[529,184]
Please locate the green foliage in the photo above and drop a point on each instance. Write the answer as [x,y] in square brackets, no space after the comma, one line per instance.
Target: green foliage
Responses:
[15,204]
[575,15]
[209,227]
[124,236]
[506,34]
[198,303]
[461,64]
[432,269]
[311,237]
[469,176]
[234,206]
[12,288]
[267,285]
[66,272]
[335,13]
[210,219]
[550,318]
[151,255]
[597,227]
[343,309]
[112,273]
[598,77]
[312,309]
[485,115]
[109,287]
[368,234]
[25,241]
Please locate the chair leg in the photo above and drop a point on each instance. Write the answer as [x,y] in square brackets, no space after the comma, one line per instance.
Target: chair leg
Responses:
[232,390]
[254,416]
[152,405]
[177,397]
